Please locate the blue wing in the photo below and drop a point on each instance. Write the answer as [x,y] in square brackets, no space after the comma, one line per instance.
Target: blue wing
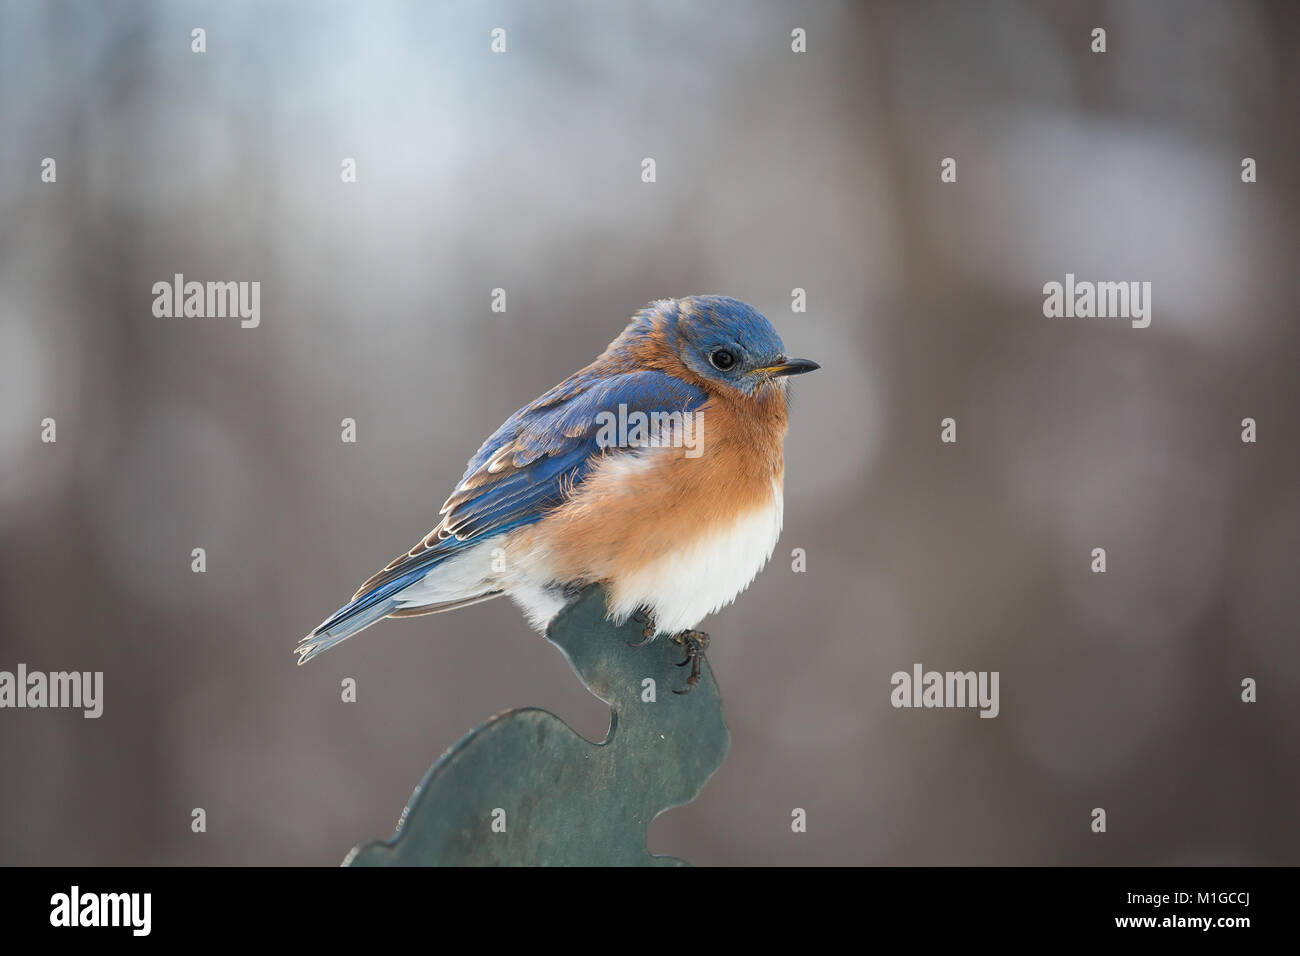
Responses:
[529,466]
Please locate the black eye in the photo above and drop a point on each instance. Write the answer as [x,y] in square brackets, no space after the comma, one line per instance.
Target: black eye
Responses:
[721,359]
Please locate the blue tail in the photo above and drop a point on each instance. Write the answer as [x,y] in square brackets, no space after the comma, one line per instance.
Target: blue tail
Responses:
[355,616]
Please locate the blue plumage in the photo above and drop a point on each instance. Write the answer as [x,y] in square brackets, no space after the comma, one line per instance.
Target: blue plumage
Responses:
[548,447]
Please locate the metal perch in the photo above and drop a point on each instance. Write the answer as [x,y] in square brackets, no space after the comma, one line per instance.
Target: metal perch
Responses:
[525,789]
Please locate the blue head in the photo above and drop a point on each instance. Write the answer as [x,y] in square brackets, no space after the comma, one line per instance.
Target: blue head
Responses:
[722,340]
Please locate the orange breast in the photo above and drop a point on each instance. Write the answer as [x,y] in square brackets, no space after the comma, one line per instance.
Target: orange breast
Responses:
[634,509]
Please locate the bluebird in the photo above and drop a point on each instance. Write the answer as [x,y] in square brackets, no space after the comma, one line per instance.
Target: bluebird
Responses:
[657,472]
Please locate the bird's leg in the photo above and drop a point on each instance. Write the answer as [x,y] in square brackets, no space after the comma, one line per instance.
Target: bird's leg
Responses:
[646,619]
[695,643]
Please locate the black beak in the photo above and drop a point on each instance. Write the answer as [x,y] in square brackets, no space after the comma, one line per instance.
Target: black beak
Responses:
[793,367]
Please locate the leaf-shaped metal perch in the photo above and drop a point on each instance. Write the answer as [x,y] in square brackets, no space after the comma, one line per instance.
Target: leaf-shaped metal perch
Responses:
[556,797]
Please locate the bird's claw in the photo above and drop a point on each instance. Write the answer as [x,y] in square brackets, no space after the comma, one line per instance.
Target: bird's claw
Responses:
[695,643]
[647,631]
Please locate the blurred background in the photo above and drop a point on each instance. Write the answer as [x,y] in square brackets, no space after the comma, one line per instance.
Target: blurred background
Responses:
[775,170]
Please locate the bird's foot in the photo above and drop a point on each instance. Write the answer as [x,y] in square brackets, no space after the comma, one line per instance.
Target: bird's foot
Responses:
[695,643]
[648,629]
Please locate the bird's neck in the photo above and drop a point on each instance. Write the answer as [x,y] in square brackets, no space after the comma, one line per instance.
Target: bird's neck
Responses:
[756,425]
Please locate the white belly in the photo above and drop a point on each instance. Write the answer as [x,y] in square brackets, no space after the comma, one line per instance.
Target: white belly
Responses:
[681,588]
[701,577]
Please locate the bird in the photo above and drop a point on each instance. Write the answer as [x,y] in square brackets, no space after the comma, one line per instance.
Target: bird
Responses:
[657,471]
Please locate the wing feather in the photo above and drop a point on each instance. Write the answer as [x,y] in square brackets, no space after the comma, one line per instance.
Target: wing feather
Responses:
[535,461]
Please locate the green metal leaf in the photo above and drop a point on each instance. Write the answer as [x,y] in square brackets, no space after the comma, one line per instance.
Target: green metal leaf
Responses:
[525,789]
